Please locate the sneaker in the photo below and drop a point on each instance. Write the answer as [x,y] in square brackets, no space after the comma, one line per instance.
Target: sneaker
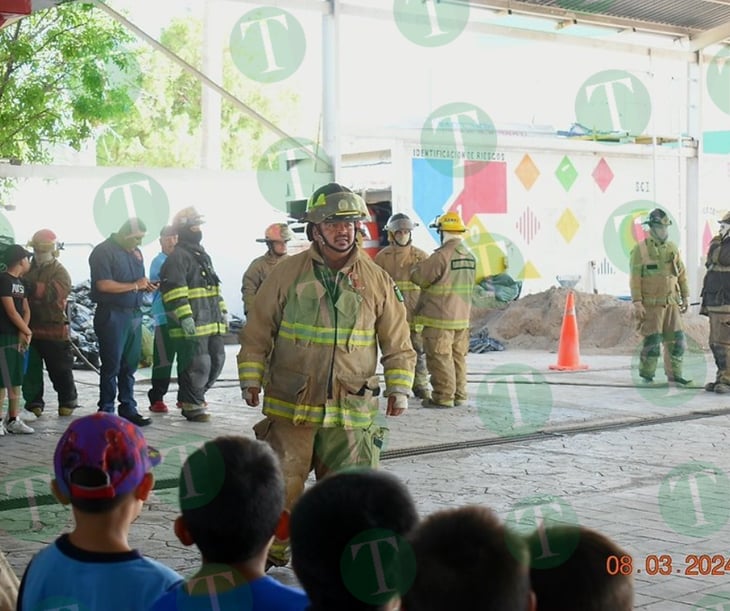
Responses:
[18,427]
[159,407]
[195,413]
[684,381]
[647,379]
[2,428]
[137,419]
[66,410]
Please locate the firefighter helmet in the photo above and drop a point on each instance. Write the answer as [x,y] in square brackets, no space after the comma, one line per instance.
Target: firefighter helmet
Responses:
[43,240]
[449,221]
[400,222]
[187,217]
[277,232]
[337,203]
[725,218]
[658,217]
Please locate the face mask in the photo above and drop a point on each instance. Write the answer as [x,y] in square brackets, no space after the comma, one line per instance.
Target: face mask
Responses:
[43,257]
[402,239]
[659,232]
[187,235]
[724,230]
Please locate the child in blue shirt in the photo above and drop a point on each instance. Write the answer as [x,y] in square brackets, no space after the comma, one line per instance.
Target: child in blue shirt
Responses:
[232,502]
[102,467]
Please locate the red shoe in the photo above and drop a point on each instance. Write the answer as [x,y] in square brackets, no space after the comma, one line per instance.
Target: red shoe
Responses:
[159,407]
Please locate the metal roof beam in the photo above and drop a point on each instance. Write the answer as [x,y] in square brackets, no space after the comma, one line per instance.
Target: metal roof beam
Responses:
[710,37]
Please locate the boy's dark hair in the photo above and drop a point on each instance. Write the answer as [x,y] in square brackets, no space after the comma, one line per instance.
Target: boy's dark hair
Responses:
[580,581]
[232,496]
[467,559]
[329,515]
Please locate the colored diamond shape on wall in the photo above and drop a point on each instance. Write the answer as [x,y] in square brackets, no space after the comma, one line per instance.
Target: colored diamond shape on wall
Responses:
[527,172]
[566,173]
[529,272]
[603,175]
[567,225]
[528,225]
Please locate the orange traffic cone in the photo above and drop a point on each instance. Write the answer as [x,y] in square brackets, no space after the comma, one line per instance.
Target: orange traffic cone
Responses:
[568,346]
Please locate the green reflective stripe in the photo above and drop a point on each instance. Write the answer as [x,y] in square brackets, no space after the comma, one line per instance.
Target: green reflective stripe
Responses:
[456,289]
[437,323]
[407,285]
[199,293]
[251,371]
[183,311]
[398,377]
[178,293]
[213,328]
[326,335]
[316,414]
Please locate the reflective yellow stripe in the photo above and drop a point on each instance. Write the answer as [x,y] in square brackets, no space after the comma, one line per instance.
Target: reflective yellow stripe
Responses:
[395,378]
[315,414]
[173,294]
[437,323]
[298,332]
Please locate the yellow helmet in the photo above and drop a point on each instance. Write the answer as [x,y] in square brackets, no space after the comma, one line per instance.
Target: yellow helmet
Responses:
[449,221]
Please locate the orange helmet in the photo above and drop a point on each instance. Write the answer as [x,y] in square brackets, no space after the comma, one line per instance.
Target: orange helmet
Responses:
[43,240]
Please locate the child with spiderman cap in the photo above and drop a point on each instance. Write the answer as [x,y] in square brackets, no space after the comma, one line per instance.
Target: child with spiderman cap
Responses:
[102,467]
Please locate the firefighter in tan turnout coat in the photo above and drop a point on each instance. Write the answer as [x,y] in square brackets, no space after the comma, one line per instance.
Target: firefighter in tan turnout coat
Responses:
[660,293]
[321,315]
[447,280]
[276,237]
[398,258]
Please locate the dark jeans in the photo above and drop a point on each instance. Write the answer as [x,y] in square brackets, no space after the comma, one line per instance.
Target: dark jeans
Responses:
[162,357]
[58,358]
[119,332]
[200,362]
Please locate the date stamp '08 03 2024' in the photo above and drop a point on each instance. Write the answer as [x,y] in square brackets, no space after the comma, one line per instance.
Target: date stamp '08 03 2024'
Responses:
[665,564]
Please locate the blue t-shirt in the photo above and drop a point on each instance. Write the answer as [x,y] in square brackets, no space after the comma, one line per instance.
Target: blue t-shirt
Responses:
[158,308]
[62,575]
[222,590]
[109,261]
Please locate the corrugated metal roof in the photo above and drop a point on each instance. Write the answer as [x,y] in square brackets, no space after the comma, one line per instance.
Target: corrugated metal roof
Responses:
[679,17]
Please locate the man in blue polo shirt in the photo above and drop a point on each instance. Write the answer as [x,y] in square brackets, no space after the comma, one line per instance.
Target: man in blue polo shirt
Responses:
[117,284]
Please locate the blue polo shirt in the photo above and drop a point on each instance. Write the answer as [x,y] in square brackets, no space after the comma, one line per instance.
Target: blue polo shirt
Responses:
[109,261]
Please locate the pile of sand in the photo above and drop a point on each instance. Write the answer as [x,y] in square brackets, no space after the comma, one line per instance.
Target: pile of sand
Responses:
[605,323]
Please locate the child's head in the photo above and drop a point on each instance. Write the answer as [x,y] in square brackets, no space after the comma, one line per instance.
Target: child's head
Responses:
[17,259]
[327,518]
[101,460]
[467,559]
[231,497]
[569,571]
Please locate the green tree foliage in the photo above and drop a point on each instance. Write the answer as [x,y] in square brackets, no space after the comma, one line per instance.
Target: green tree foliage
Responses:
[165,127]
[60,79]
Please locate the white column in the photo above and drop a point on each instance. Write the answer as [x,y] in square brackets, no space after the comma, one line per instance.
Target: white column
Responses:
[331,137]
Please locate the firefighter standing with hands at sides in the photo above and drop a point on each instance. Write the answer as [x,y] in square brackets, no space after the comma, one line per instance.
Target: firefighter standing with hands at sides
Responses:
[660,293]
[716,305]
[276,237]
[48,284]
[196,313]
[321,316]
[397,259]
[447,280]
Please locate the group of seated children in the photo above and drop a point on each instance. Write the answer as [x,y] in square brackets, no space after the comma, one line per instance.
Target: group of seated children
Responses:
[356,540]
